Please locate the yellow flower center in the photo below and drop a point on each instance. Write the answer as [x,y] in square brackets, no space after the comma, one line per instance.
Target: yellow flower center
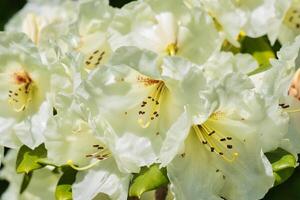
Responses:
[172,49]
[21,94]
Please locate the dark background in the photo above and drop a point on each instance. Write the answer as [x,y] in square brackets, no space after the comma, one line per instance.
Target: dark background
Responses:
[289,190]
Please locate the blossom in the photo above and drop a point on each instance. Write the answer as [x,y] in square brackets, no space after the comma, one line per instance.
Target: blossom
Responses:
[253,19]
[71,141]
[143,105]
[228,141]
[91,32]
[280,84]
[118,95]
[166,29]
[25,92]
[43,19]
[223,156]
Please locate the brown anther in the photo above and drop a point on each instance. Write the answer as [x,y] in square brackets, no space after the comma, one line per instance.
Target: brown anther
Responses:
[211,133]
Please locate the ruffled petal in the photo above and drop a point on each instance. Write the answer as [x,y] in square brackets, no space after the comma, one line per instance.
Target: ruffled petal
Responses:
[103,178]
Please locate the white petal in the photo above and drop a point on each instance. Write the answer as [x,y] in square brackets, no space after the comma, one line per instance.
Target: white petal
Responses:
[103,178]
[193,174]
[175,138]
[137,59]
[190,87]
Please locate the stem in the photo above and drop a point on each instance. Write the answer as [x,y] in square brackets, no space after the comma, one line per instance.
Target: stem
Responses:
[161,193]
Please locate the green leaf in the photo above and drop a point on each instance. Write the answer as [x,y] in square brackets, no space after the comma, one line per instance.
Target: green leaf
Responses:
[288,190]
[283,164]
[148,179]
[63,189]
[28,159]
[25,182]
[261,50]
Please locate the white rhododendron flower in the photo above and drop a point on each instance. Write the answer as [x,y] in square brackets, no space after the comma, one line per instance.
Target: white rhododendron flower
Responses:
[91,34]
[167,28]
[41,19]
[172,99]
[25,88]
[239,125]
[281,83]
[137,103]
[70,140]
[254,18]
[225,146]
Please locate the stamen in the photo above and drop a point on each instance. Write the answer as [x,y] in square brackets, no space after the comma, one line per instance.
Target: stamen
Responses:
[292,18]
[100,154]
[292,110]
[150,107]
[285,106]
[215,142]
[94,59]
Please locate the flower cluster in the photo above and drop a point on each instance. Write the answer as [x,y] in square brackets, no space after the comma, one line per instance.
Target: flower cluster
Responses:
[95,94]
